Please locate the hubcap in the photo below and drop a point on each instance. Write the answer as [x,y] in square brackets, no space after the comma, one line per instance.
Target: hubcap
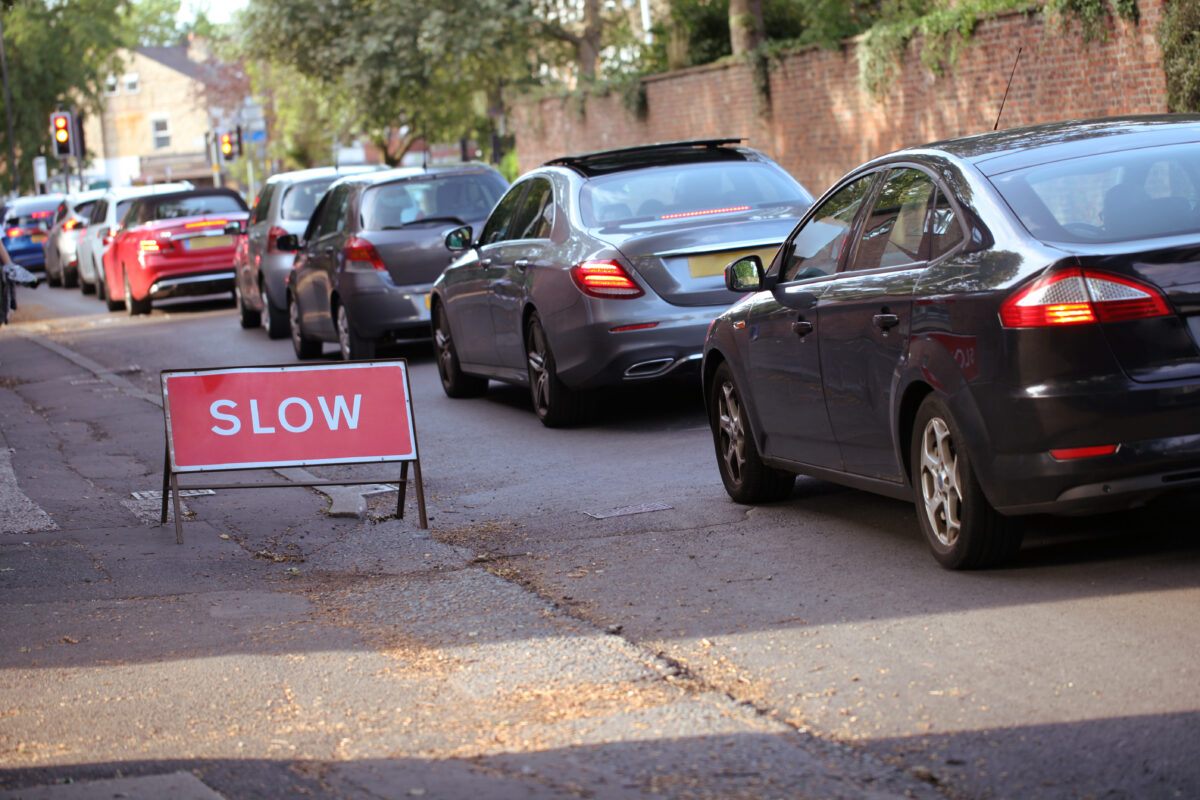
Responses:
[343,321]
[266,310]
[539,377]
[441,343]
[731,433]
[294,320]
[941,484]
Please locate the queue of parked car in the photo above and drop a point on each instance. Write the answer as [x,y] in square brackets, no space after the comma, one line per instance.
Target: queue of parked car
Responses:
[989,327]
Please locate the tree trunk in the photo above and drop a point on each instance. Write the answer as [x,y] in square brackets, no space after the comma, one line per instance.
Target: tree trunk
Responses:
[745,25]
[587,48]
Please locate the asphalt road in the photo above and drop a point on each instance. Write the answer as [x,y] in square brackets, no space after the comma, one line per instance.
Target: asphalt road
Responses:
[544,640]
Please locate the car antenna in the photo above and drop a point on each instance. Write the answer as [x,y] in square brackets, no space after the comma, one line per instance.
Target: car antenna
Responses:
[1016,61]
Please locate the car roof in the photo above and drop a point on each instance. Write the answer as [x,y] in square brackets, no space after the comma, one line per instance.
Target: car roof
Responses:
[128,192]
[41,201]
[655,155]
[405,173]
[1001,151]
[301,175]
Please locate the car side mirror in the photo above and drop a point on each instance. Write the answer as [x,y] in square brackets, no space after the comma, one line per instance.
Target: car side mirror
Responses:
[288,243]
[744,275]
[235,228]
[459,239]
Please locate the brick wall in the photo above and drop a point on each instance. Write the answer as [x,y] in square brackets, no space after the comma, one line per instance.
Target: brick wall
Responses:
[822,124]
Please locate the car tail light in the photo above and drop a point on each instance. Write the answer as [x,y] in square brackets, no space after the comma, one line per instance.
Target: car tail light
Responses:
[1080,296]
[1072,453]
[152,245]
[273,235]
[13,233]
[605,279]
[360,251]
[641,326]
[73,223]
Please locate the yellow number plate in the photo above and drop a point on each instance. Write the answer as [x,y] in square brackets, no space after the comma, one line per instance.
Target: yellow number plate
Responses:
[711,264]
[209,242]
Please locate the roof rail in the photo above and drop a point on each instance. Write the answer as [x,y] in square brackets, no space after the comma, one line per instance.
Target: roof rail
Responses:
[583,159]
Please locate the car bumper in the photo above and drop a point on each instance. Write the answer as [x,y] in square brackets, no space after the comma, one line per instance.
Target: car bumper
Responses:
[191,284]
[382,310]
[273,270]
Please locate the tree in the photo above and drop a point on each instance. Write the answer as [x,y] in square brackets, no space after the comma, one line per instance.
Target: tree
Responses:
[57,53]
[745,25]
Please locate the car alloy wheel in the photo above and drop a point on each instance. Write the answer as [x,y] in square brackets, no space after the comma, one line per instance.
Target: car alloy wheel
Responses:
[555,404]
[747,479]
[455,382]
[135,307]
[354,347]
[962,528]
[303,346]
[274,321]
[249,317]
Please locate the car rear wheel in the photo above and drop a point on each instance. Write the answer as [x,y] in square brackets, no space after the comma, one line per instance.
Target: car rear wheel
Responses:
[134,305]
[455,382]
[250,318]
[305,347]
[747,479]
[113,303]
[85,287]
[555,404]
[274,320]
[962,528]
[354,347]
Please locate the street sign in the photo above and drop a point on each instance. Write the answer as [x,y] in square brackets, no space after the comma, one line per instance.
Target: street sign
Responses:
[243,418]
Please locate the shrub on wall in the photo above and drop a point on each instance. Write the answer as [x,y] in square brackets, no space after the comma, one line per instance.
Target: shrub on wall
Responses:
[1179,40]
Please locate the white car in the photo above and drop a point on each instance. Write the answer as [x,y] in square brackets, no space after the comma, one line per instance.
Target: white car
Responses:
[107,212]
[70,221]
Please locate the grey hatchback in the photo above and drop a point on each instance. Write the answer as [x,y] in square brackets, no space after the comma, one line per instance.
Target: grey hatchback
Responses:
[371,251]
[606,268]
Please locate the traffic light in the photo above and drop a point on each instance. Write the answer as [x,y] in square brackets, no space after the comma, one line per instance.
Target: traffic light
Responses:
[62,126]
[227,147]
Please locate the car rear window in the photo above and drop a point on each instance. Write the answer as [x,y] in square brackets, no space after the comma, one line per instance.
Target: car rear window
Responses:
[686,191]
[31,215]
[1109,197]
[461,197]
[192,206]
[301,198]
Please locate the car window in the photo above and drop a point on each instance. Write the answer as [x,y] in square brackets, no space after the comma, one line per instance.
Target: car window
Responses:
[333,212]
[1108,197]
[944,228]
[98,211]
[264,202]
[123,209]
[84,210]
[534,219]
[300,199]
[816,247]
[893,230]
[191,206]
[497,224]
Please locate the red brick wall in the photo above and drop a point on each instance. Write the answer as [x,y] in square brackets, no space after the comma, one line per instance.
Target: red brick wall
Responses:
[822,124]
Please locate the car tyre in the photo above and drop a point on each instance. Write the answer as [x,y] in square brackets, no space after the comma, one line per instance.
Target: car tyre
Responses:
[455,382]
[70,279]
[353,346]
[274,320]
[132,304]
[85,287]
[249,318]
[747,479]
[305,347]
[962,528]
[555,404]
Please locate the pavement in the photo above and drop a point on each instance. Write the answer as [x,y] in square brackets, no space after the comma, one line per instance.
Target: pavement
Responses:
[303,644]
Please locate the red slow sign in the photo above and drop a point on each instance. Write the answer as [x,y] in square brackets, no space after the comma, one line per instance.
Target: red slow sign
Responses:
[256,417]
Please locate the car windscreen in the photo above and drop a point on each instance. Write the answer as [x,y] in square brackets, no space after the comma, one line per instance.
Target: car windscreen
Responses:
[686,191]
[192,206]
[1108,197]
[461,197]
[300,199]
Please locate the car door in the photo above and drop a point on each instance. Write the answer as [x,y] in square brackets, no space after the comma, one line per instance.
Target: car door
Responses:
[526,250]
[784,353]
[467,285]
[322,257]
[865,319]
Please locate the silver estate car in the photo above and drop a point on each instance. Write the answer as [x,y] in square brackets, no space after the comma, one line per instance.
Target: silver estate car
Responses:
[603,269]
[284,206]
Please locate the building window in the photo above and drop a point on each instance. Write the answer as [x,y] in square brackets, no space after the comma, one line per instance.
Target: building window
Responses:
[132,83]
[161,131]
[110,85]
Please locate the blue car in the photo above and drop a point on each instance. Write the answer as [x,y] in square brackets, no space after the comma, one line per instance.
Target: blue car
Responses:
[27,222]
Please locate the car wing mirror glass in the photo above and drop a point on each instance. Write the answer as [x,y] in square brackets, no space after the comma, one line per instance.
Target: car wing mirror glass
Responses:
[288,243]
[459,239]
[744,275]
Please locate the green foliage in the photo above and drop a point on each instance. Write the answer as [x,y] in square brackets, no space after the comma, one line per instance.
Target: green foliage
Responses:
[509,166]
[57,53]
[699,29]
[1179,40]
[1093,16]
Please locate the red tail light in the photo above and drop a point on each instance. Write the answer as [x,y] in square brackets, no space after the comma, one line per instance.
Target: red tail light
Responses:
[13,233]
[273,239]
[362,251]
[73,223]
[1080,296]
[1071,453]
[605,279]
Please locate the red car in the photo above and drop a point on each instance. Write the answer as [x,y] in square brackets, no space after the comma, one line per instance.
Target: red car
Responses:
[177,244]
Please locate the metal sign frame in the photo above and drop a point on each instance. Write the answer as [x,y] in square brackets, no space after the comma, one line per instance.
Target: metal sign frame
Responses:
[171,486]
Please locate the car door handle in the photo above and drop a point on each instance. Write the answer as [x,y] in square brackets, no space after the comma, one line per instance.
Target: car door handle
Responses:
[885,321]
[521,263]
[802,328]
[485,262]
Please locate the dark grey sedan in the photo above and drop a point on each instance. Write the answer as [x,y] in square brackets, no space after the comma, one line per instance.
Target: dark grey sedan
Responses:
[371,251]
[993,326]
[603,269]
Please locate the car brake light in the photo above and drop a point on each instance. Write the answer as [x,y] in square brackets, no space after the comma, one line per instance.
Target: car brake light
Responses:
[605,279]
[208,223]
[72,224]
[1070,453]
[273,238]
[13,233]
[362,251]
[1080,296]
[148,245]
[705,212]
